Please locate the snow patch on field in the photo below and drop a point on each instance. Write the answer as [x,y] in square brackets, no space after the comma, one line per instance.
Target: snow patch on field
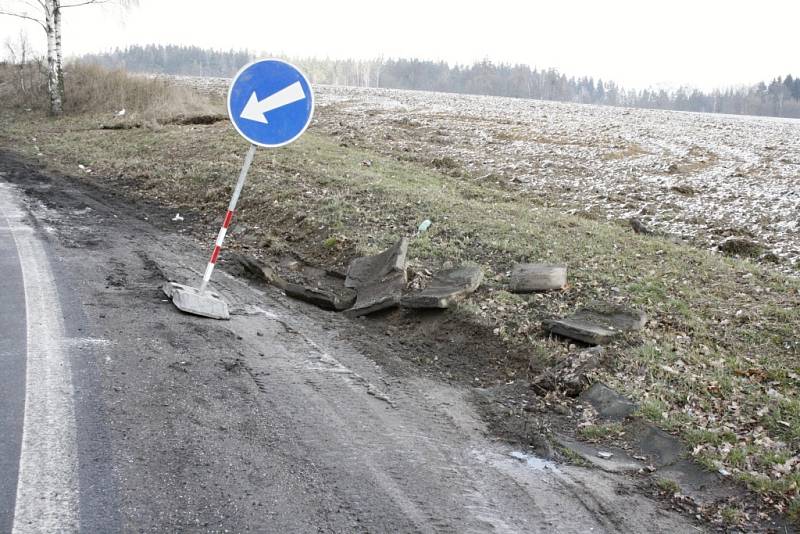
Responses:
[700,177]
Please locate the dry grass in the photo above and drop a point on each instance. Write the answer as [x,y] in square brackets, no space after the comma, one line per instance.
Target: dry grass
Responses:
[90,89]
[23,86]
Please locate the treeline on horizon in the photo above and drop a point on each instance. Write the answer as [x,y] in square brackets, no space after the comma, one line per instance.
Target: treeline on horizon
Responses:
[780,97]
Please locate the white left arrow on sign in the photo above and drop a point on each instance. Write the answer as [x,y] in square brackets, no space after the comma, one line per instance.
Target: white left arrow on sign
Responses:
[255,109]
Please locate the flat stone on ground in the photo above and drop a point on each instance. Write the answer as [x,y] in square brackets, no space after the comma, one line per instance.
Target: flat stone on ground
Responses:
[598,324]
[530,277]
[609,404]
[619,461]
[695,480]
[662,448]
[446,287]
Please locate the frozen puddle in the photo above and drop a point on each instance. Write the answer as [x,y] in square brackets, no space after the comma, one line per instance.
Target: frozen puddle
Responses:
[533,462]
[514,459]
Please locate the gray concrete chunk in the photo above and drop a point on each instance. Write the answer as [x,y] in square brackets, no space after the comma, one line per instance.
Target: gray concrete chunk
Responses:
[380,295]
[369,269]
[618,462]
[580,330]
[598,324]
[609,404]
[328,300]
[662,448]
[189,299]
[379,280]
[258,269]
[446,287]
[530,277]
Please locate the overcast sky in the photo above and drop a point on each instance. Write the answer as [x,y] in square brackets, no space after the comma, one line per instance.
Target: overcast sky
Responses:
[638,43]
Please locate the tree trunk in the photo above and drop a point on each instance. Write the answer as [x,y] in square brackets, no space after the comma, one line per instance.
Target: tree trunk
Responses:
[59,61]
[54,83]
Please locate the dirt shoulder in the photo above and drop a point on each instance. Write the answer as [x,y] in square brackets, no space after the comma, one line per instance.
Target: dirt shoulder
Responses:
[272,417]
[718,364]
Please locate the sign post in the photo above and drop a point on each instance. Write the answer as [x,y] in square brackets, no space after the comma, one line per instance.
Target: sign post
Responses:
[248,159]
[270,103]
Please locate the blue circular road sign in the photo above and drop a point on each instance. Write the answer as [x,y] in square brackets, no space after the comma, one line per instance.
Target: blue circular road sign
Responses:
[270,102]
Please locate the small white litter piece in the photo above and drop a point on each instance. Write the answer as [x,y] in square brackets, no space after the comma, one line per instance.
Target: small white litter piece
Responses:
[423,226]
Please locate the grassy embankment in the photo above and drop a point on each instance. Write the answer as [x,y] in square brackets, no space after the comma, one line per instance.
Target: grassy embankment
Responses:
[719,363]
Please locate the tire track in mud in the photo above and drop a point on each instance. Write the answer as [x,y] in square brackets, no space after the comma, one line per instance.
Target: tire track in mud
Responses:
[418,435]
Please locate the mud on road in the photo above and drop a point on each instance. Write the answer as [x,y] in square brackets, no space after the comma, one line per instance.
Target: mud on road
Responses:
[286,418]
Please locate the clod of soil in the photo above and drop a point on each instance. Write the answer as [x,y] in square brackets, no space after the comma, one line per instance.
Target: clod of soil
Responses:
[121,126]
[739,246]
[183,120]
[639,227]
[683,189]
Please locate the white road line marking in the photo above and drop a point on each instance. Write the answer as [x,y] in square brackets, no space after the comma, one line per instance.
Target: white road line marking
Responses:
[47,489]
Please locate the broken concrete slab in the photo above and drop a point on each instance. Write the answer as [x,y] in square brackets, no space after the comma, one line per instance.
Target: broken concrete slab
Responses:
[328,300]
[381,295]
[598,324]
[608,404]
[530,277]
[619,461]
[446,287]
[369,269]
[662,448]
[695,480]
[190,300]
[379,280]
[318,286]
[259,270]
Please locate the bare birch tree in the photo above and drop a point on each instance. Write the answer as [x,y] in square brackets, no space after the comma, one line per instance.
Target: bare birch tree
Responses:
[47,14]
[19,51]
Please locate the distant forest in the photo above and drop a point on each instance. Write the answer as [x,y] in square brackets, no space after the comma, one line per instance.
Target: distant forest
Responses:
[779,97]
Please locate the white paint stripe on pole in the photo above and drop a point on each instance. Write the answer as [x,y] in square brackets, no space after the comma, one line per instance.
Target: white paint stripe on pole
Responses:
[207,274]
[248,159]
[47,488]
[221,236]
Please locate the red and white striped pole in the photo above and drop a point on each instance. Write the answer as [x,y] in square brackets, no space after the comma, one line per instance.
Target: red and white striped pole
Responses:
[248,159]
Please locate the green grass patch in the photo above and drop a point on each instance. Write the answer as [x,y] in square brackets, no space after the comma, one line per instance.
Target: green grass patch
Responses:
[600,432]
[668,486]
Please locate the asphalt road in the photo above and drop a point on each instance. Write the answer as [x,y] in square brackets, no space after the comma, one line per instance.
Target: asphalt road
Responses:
[120,413]
[13,352]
